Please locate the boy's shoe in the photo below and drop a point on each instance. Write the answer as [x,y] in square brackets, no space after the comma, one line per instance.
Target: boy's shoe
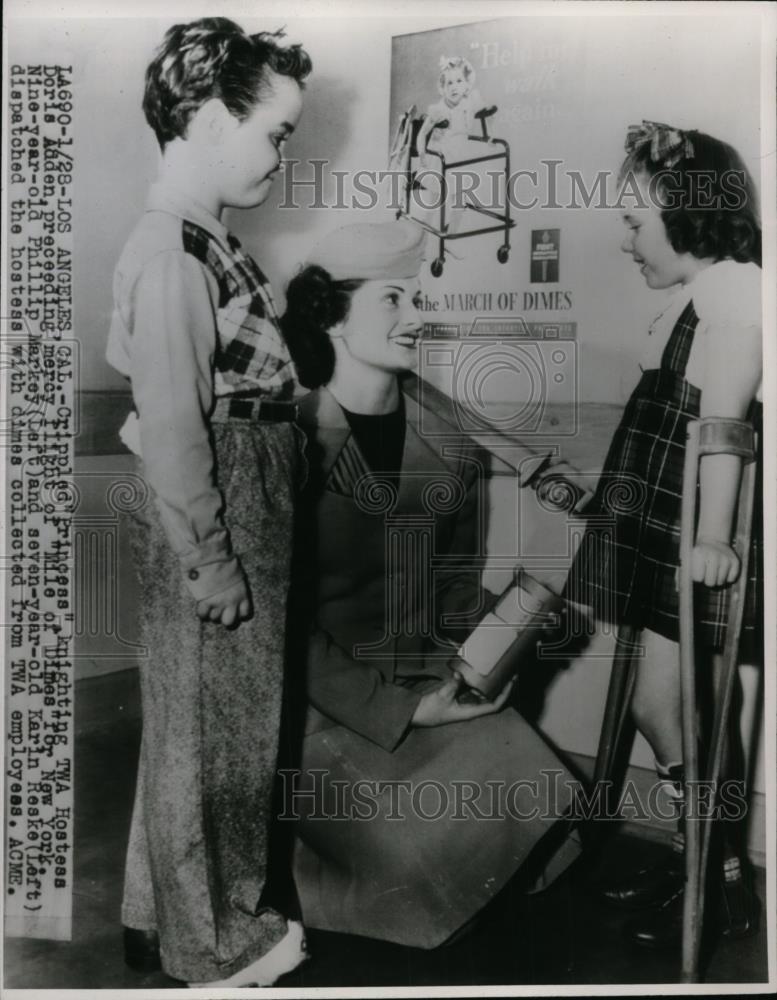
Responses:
[286,955]
[651,886]
[141,950]
[737,916]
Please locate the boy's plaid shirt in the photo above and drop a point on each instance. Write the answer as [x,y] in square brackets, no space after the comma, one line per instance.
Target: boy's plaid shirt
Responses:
[251,353]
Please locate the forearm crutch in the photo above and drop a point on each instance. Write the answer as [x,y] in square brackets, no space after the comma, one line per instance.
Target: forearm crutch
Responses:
[616,709]
[710,436]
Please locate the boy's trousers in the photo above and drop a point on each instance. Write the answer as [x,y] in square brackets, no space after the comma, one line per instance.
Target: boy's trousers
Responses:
[196,861]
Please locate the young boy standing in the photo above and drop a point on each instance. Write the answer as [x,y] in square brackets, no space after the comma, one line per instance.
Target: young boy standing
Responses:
[195,331]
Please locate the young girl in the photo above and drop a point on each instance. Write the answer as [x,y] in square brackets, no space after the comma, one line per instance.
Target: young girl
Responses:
[195,331]
[695,228]
[457,106]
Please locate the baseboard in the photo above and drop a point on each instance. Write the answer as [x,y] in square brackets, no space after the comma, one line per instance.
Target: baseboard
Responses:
[660,830]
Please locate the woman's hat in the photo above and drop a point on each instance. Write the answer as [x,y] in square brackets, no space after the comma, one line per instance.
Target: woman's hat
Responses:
[371,250]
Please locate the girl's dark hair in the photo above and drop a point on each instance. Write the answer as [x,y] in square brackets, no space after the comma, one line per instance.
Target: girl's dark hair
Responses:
[314,304]
[214,57]
[707,200]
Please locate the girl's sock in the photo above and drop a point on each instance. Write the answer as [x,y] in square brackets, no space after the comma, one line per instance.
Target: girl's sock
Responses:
[672,776]
[732,867]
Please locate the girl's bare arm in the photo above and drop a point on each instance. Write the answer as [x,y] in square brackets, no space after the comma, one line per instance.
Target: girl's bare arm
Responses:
[731,378]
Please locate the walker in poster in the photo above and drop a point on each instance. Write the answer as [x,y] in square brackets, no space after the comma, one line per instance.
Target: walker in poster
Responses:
[446,133]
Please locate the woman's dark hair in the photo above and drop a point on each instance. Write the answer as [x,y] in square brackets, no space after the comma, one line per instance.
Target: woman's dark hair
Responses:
[214,57]
[314,304]
[707,200]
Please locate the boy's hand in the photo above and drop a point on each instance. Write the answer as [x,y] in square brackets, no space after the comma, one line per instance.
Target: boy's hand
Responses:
[228,607]
[439,707]
[714,563]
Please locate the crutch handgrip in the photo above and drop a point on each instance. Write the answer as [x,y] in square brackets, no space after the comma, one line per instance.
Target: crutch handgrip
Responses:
[726,435]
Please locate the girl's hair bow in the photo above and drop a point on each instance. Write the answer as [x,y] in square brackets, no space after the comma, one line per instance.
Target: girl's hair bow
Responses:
[668,145]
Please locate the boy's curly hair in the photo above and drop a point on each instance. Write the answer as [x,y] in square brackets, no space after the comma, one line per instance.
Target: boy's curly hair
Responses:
[214,57]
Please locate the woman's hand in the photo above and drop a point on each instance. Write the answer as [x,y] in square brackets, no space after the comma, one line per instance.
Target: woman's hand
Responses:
[714,563]
[439,707]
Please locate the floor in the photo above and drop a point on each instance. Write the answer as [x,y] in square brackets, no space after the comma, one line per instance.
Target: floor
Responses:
[563,936]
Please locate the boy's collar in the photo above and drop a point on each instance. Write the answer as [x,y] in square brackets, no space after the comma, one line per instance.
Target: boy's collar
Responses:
[163,198]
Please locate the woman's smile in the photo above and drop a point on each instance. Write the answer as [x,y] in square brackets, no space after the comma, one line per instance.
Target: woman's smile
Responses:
[408,339]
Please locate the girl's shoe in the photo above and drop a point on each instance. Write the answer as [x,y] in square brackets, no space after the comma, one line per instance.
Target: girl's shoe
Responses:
[646,887]
[286,955]
[737,916]
[661,928]
[739,909]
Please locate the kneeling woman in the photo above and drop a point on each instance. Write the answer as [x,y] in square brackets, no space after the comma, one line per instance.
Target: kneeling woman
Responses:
[419,806]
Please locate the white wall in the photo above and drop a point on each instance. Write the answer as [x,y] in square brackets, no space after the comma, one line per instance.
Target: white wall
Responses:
[690,71]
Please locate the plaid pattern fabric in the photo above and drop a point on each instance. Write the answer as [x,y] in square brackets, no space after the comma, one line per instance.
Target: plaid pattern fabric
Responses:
[668,145]
[625,568]
[251,353]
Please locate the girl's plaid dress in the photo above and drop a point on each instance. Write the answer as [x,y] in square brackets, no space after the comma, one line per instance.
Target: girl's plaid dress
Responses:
[626,565]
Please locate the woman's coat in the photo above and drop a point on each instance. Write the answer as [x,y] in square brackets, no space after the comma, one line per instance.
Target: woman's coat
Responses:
[405,833]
